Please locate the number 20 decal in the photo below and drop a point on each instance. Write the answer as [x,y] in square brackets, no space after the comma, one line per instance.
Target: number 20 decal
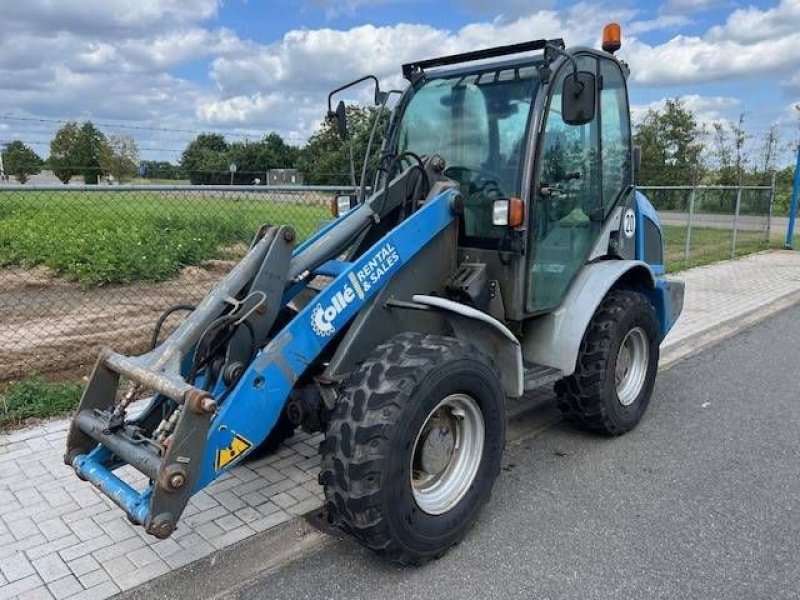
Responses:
[629,223]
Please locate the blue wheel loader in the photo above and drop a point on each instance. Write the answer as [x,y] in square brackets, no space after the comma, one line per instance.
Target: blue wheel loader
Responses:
[502,247]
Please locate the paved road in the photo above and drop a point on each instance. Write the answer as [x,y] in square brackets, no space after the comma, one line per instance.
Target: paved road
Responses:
[701,501]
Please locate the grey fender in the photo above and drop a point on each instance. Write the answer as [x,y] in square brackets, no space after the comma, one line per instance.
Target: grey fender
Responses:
[487,333]
[554,339]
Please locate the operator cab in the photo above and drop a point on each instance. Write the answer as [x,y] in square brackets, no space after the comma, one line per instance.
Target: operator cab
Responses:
[539,187]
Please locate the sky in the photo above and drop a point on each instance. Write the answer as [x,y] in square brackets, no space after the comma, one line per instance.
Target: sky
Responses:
[163,70]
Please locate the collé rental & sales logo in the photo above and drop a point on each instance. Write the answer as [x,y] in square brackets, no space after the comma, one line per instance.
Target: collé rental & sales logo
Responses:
[357,285]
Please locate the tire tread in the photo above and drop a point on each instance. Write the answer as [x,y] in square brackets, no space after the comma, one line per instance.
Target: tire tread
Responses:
[360,431]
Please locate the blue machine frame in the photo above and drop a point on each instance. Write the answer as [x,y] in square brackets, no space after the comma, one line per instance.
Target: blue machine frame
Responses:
[661,295]
[263,390]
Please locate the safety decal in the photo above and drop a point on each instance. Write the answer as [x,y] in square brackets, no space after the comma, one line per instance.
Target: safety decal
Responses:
[237,447]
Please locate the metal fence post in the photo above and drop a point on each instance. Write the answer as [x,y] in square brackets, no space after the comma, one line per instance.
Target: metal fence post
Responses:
[771,205]
[736,221]
[688,242]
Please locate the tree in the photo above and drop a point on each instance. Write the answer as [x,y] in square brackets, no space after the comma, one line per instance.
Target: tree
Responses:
[62,152]
[204,161]
[325,160]
[723,153]
[740,155]
[90,145]
[277,154]
[672,146]
[20,161]
[253,159]
[161,169]
[207,158]
[120,157]
[769,152]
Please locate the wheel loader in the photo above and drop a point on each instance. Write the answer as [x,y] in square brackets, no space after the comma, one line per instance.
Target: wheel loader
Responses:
[502,247]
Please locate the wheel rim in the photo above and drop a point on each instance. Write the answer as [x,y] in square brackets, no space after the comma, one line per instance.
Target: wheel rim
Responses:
[447,454]
[630,371]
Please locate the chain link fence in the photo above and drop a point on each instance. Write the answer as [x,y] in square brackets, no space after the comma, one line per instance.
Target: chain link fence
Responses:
[704,224]
[84,267]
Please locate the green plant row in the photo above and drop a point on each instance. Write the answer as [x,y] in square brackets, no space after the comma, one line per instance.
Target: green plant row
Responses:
[98,238]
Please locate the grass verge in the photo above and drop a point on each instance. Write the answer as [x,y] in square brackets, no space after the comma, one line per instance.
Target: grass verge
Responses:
[36,398]
[709,245]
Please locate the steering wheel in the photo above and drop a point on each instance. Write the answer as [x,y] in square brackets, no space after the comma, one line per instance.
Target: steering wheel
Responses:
[479,181]
[480,190]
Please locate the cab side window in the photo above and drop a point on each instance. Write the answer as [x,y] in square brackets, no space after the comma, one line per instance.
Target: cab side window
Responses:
[567,200]
[616,135]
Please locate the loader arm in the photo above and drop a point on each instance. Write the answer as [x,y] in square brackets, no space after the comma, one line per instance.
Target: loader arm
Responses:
[213,425]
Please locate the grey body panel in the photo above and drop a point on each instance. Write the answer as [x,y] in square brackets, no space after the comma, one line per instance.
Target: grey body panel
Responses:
[490,336]
[554,339]
[511,277]
[427,272]
[612,239]
[675,291]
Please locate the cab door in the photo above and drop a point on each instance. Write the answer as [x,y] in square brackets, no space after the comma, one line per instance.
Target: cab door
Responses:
[577,181]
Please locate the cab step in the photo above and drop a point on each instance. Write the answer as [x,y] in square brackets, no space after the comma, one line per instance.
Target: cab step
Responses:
[537,376]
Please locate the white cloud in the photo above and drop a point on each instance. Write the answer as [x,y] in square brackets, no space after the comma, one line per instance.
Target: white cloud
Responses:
[685,7]
[305,64]
[113,59]
[82,16]
[706,109]
[334,8]
[749,25]
[658,23]
[750,42]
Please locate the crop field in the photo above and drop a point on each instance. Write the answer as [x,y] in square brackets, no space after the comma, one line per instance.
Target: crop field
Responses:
[100,238]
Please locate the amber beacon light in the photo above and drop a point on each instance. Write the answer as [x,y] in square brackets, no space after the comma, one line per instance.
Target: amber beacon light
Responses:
[612,37]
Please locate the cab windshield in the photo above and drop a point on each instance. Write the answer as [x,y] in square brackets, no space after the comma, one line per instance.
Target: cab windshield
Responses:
[479,124]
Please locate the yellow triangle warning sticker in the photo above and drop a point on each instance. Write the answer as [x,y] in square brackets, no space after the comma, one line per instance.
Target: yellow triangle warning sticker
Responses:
[237,447]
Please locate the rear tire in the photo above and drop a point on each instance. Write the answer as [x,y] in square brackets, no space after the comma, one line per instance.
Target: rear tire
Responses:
[616,368]
[393,474]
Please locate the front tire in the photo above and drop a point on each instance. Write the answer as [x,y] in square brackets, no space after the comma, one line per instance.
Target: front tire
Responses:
[414,446]
[616,368]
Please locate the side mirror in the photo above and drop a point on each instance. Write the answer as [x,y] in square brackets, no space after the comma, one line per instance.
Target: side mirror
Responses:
[339,118]
[578,98]
[637,159]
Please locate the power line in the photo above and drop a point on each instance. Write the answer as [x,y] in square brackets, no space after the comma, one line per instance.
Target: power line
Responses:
[47,143]
[227,132]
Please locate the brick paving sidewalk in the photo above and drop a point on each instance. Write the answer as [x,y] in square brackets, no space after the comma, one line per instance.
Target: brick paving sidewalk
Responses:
[59,538]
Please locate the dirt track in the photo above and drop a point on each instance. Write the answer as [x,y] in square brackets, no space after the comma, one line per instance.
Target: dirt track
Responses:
[48,325]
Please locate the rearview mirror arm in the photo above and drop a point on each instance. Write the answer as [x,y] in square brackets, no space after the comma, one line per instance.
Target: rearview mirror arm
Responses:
[561,52]
[378,93]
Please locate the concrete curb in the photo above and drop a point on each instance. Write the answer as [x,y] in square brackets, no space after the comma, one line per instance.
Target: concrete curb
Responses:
[232,568]
[718,332]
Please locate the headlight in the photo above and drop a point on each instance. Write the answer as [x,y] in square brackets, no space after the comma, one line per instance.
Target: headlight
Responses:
[500,212]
